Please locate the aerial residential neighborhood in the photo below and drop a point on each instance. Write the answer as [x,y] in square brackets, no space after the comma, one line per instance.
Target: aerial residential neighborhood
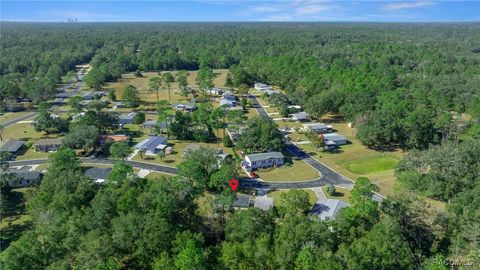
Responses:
[198,135]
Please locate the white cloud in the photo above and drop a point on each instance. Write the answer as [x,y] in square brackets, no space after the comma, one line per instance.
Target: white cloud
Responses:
[407,5]
[265,8]
[311,9]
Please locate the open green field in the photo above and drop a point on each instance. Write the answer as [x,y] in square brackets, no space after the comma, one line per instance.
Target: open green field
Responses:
[371,164]
[354,160]
[297,171]
[278,202]
[14,220]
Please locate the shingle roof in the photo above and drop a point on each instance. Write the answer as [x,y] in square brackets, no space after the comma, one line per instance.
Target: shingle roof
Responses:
[48,142]
[328,208]
[11,145]
[264,156]
[98,173]
[242,201]
[151,143]
[28,175]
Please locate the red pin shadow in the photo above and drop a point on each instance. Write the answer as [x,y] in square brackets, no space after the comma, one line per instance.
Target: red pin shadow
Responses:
[234,184]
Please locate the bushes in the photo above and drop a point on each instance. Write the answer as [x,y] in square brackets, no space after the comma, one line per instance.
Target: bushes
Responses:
[227,142]
[139,118]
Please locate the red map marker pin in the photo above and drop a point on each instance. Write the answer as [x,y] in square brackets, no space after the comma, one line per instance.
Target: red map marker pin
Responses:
[234,184]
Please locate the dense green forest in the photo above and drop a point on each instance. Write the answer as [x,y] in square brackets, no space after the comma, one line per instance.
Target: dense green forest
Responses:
[414,86]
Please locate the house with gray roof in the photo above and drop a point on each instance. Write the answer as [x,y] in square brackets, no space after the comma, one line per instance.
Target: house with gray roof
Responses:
[318,128]
[100,175]
[242,201]
[327,209]
[126,118]
[184,106]
[11,145]
[26,178]
[47,145]
[300,116]
[152,145]
[89,96]
[263,202]
[263,160]
[334,137]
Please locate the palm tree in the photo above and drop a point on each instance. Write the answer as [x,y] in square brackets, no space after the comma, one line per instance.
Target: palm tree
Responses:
[155,84]
[161,155]
[168,79]
[2,130]
[142,152]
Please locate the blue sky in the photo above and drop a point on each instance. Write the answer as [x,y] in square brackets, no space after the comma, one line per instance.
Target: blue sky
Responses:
[250,10]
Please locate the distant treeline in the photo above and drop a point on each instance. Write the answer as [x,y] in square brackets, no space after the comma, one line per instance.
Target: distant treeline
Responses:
[399,83]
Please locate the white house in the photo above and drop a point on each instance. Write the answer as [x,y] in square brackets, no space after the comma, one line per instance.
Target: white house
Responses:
[152,145]
[262,86]
[318,128]
[263,160]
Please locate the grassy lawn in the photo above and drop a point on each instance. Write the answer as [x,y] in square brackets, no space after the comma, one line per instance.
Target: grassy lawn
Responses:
[340,194]
[278,202]
[157,176]
[177,157]
[298,171]
[371,164]
[149,98]
[11,115]
[15,220]
[25,132]
[376,165]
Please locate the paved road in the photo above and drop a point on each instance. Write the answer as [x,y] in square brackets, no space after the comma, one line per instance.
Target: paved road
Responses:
[137,164]
[16,120]
[328,176]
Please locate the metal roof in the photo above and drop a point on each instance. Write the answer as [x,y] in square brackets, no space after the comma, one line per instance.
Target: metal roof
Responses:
[300,115]
[316,126]
[151,143]
[334,137]
[11,145]
[264,156]
[328,208]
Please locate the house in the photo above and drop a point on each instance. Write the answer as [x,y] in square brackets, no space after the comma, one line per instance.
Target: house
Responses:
[327,209]
[126,118]
[184,106]
[334,137]
[47,145]
[113,138]
[228,102]
[215,91]
[262,87]
[25,177]
[119,104]
[263,160]
[318,128]
[242,201]
[152,145]
[263,202]
[300,116]
[12,146]
[89,96]
[153,124]
[100,175]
